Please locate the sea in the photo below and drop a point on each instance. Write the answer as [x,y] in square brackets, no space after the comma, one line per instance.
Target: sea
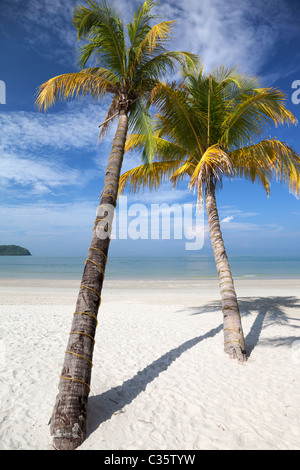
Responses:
[143,268]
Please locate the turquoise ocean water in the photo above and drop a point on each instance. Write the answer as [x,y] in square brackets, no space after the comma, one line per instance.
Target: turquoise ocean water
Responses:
[189,267]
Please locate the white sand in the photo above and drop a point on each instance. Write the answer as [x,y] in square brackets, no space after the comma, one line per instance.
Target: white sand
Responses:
[160,378]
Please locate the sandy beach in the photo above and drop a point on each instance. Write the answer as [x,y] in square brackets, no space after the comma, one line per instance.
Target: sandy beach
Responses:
[160,379]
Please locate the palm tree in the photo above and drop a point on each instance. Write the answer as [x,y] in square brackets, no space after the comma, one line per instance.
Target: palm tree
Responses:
[127,68]
[208,127]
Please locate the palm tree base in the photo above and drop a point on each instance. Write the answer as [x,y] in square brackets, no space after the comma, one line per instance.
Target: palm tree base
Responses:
[60,443]
[67,437]
[68,421]
[236,352]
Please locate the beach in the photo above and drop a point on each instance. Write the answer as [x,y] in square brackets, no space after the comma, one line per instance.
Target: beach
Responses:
[161,380]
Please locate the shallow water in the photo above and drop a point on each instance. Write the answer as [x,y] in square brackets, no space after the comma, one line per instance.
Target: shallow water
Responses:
[189,267]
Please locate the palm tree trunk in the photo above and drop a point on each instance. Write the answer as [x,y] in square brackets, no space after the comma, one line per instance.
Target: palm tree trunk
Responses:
[68,421]
[234,343]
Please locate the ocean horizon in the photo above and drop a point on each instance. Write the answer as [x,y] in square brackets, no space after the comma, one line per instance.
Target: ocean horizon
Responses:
[142,267]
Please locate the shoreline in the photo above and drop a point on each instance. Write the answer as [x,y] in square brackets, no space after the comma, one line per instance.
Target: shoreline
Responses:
[45,280]
[191,292]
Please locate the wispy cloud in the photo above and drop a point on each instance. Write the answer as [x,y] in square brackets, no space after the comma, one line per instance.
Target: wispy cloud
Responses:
[51,217]
[240,227]
[236,224]
[233,211]
[75,127]
[232,32]
[45,227]
[39,177]
[33,144]
[164,194]
[226,220]
[45,23]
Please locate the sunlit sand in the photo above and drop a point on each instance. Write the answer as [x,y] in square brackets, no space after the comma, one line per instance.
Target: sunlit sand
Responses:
[160,378]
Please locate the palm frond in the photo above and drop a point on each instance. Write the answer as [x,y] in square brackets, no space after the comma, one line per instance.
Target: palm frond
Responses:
[138,29]
[268,160]
[213,165]
[233,111]
[100,24]
[134,142]
[186,169]
[151,45]
[156,67]
[248,115]
[164,149]
[147,176]
[111,114]
[155,38]
[141,122]
[179,122]
[69,86]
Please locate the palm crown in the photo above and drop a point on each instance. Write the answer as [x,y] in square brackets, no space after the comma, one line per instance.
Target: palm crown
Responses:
[209,126]
[128,73]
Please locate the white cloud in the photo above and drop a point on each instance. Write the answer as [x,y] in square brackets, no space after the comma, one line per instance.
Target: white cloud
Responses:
[32,146]
[235,212]
[240,225]
[165,194]
[50,217]
[44,21]
[227,220]
[237,228]
[76,127]
[232,32]
[40,177]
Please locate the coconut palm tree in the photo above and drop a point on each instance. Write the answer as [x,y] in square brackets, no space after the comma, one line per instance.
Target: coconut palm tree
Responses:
[209,127]
[127,68]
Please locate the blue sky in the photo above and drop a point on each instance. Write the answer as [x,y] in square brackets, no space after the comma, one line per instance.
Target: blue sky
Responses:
[52,166]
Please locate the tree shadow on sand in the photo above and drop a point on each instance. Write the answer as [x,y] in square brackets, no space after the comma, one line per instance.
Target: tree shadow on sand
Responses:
[103,407]
[269,310]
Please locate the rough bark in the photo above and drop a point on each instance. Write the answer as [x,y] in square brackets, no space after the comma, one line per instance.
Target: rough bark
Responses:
[234,343]
[68,421]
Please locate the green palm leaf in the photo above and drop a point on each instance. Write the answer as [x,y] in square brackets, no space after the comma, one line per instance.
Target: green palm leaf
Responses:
[101,26]
[138,29]
[248,116]
[213,122]
[147,175]
[268,160]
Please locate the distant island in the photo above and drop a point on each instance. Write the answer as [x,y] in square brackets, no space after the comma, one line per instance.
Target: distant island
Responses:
[13,250]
